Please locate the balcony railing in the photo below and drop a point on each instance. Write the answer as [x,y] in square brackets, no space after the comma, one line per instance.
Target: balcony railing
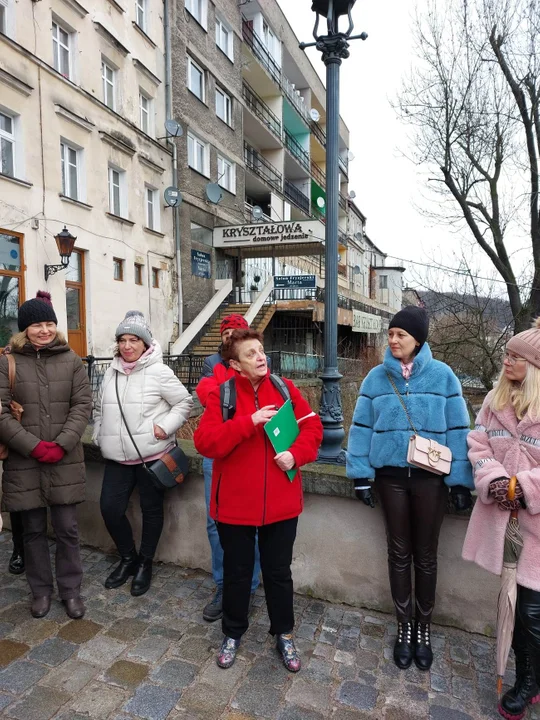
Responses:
[259,108]
[296,196]
[344,165]
[296,150]
[260,165]
[318,132]
[296,100]
[343,201]
[318,175]
[260,51]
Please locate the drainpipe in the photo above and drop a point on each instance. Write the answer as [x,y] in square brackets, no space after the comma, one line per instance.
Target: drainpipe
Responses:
[172,143]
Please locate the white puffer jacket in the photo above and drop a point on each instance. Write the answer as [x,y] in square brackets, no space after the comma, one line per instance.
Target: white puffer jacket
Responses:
[151,395]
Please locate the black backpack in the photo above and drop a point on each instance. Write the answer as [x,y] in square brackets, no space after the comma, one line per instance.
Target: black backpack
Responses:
[227,394]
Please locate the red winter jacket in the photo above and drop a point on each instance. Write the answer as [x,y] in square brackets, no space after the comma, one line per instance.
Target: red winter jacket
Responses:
[214,372]
[248,488]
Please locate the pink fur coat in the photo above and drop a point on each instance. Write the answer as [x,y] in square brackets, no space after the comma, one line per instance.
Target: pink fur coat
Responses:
[502,446]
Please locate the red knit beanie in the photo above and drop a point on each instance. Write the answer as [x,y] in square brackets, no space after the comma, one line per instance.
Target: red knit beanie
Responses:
[232,322]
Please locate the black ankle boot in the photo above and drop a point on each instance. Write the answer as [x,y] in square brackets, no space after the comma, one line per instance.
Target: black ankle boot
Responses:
[404,648]
[125,568]
[525,691]
[16,563]
[143,577]
[423,654]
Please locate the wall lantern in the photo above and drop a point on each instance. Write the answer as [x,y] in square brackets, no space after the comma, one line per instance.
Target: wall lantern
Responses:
[65,242]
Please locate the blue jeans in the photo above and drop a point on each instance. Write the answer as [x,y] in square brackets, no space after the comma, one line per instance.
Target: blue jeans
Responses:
[213,537]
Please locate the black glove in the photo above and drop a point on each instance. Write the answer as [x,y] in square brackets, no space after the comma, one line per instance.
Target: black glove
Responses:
[461,497]
[363,493]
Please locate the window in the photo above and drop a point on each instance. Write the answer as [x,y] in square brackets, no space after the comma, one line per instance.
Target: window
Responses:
[12,282]
[383,282]
[61,49]
[195,79]
[6,17]
[224,38]
[117,192]
[146,113]
[140,13]
[223,106]
[7,144]
[118,269]
[155,277]
[139,270]
[108,80]
[198,154]
[269,39]
[152,208]
[226,174]
[199,10]
[70,161]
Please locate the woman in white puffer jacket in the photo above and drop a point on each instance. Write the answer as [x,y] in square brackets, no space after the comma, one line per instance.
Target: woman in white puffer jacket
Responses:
[155,405]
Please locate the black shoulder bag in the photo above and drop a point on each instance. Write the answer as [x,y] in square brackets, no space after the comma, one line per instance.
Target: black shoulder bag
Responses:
[168,471]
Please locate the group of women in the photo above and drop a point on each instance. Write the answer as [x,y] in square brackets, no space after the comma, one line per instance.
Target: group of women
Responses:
[252,495]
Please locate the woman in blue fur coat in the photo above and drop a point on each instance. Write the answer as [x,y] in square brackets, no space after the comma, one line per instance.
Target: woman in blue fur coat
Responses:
[413,500]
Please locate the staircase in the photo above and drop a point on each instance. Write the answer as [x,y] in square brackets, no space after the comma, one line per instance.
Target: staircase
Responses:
[211,341]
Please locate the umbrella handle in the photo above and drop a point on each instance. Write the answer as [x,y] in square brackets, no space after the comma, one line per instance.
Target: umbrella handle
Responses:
[511,494]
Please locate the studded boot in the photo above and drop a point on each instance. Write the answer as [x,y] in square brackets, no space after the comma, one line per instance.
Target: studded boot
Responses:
[423,653]
[513,704]
[404,647]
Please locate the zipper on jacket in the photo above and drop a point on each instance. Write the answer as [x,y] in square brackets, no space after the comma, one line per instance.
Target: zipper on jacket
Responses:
[217,495]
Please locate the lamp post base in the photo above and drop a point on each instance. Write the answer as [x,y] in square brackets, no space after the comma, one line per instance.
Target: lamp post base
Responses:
[332,419]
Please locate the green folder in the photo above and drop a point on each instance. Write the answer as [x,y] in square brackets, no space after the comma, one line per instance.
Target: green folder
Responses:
[282,431]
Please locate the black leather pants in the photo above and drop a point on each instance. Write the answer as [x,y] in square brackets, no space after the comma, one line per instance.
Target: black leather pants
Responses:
[413,507]
[526,638]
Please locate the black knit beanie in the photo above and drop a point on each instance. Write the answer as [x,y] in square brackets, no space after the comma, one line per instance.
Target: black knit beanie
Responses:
[37,310]
[413,320]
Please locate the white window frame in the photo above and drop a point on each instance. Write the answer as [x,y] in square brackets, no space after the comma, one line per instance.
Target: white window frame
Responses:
[122,191]
[7,27]
[146,112]
[227,106]
[108,84]
[269,38]
[59,45]
[9,138]
[226,173]
[225,38]
[152,210]
[198,9]
[195,146]
[141,14]
[67,151]
[192,64]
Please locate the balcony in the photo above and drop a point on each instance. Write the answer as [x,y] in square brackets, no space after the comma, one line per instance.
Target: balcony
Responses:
[259,108]
[344,165]
[296,196]
[318,175]
[260,166]
[318,132]
[296,150]
[259,49]
[343,201]
[296,100]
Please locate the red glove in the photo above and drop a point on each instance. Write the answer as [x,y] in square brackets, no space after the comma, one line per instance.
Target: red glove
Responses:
[47,452]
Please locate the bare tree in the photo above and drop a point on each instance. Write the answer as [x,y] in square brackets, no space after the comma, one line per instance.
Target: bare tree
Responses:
[473,102]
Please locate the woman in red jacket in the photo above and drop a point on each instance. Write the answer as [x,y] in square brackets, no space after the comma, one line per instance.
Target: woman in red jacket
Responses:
[251,492]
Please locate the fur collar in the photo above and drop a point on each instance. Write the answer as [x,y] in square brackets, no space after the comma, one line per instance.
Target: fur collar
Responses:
[421,362]
[19,344]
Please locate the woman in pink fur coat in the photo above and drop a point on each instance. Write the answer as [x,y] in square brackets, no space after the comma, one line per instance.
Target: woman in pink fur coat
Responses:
[506,442]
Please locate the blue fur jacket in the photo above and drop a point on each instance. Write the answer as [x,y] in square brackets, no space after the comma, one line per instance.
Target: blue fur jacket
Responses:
[380,432]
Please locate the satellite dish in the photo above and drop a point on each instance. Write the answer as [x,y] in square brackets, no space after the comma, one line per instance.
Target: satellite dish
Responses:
[172,196]
[214,193]
[321,202]
[352,195]
[356,270]
[350,156]
[358,236]
[315,115]
[173,128]
[256,212]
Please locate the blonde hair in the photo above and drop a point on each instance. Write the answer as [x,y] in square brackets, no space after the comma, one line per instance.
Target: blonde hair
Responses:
[524,398]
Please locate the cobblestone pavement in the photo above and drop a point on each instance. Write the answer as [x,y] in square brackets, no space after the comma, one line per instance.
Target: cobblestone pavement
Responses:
[153,657]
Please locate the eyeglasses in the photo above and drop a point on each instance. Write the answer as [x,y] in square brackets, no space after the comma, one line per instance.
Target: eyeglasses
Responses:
[511,359]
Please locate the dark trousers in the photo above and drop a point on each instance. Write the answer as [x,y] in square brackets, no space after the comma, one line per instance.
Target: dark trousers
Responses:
[276,543]
[37,556]
[17,530]
[526,638]
[119,481]
[413,508]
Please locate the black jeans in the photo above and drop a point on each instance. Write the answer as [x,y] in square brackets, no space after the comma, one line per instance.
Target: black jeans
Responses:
[17,530]
[526,638]
[119,481]
[276,543]
[413,508]
[37,556]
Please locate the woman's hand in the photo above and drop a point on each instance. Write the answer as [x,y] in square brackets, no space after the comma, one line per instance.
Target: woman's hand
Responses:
[285,460]
[263,415]
[499,490]
[159,433]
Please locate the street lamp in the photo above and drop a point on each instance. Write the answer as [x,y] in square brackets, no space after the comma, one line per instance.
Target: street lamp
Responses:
[65,242]
[334,48]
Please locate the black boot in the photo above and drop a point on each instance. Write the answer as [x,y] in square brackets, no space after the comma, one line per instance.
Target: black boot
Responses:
[404,648]
[513,705]
[143,576]
[125,568]
[423,654]
[16,563]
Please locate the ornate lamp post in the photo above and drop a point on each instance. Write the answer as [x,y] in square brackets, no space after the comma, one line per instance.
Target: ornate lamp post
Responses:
[65,242]
[334,48]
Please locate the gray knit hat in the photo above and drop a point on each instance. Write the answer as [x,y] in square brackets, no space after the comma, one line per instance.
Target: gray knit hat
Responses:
[135,324]
[526,344]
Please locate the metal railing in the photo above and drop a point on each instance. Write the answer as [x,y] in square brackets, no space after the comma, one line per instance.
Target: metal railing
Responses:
[319,133]
[259,108]
[260,165]
[318,175]
[296,150]
[303,365]
[294,97]
[343,201]
[260,51]
[344,165]
[296,196]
